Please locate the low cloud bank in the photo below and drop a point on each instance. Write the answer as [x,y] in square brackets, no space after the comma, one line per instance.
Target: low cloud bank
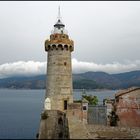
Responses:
[30,68]
[115,67]
[24,68]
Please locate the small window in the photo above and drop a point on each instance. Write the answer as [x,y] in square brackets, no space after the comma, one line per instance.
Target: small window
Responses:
[84,108]
[65,63]
[65,104]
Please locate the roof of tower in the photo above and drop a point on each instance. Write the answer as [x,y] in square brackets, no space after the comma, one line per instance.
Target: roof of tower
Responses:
[59,23]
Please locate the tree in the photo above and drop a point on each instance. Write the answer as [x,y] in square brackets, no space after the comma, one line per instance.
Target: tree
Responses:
[93,100]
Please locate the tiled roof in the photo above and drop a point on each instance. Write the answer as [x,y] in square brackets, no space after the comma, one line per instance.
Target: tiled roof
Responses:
[122,92]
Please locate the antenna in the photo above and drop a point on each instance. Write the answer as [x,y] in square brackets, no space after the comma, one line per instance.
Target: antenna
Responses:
[59,16]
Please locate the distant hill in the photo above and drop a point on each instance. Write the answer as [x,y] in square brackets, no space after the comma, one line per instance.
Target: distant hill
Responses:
[34,82]
[88,80]
[128,79]
[102,79]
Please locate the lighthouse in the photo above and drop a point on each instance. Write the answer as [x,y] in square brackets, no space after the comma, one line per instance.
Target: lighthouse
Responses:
[59,89]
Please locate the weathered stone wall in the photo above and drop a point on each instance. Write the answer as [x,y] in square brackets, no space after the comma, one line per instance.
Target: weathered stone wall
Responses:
[110,107]
[78,111]
[53,125]
[75,109]
[128,108]
[59,71]
[108,132]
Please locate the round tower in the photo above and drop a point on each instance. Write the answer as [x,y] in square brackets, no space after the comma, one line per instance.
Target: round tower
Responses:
[59,89]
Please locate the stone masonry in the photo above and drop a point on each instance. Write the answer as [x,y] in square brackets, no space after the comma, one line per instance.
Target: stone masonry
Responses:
[53,125]
[109,132]
[59,70]
[127,106]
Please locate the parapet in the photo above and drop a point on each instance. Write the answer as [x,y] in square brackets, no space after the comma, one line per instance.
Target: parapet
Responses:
[57,41]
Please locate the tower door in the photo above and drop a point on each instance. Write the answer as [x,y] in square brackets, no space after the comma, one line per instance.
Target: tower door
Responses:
[65,104]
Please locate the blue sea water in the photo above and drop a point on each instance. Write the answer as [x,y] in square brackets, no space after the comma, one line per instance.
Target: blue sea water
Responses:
[20,111]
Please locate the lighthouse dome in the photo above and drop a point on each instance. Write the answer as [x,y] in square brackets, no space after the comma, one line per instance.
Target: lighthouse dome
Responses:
[59,27]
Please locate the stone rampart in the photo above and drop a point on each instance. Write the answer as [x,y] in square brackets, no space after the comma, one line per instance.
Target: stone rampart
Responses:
[53,125]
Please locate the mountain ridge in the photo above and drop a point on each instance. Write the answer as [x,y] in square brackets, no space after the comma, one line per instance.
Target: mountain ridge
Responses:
[87,80]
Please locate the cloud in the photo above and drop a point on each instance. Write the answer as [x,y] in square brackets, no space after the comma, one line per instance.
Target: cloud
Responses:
[115,67]
[30,68]
[22,68]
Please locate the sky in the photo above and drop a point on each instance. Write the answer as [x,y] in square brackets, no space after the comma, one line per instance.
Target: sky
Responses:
[106,35]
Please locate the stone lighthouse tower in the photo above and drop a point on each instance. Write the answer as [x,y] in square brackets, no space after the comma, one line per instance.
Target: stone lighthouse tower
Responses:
[59,90]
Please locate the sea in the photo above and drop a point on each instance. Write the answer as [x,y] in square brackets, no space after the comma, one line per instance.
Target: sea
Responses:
[20,110]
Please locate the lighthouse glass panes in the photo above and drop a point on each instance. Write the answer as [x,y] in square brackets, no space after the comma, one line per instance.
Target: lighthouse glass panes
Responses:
[59,31]
[59,28]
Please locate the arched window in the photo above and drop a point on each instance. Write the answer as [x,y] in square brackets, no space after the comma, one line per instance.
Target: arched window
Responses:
[60,46]
[66,47]
[49,47]
[54,46]
[71,48]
